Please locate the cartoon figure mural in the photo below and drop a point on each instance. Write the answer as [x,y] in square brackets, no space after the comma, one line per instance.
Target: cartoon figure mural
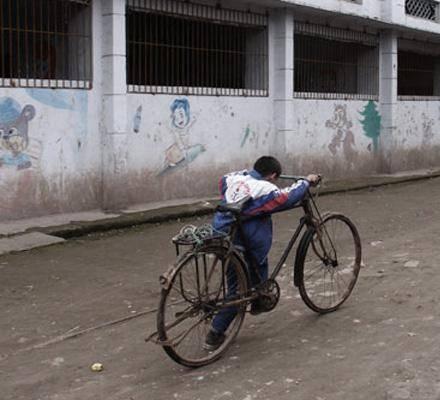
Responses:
[181,152]
[14,138]
[371,124]
[343,135]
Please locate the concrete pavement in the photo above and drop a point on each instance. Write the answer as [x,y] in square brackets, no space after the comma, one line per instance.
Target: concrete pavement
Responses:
[26,234]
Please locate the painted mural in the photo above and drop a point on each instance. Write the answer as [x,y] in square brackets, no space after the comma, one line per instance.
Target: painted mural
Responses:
[14,134]
[137,119]
[252,137]
[73,100]
[371,124]
[343,138]
[181,152]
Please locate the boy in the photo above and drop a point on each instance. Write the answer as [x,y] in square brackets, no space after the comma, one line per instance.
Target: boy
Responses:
[259,197]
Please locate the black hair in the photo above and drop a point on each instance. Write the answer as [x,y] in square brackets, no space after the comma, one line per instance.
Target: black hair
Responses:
[267,165]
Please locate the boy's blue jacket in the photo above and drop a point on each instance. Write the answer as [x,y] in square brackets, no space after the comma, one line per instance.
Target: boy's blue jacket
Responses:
[260,198]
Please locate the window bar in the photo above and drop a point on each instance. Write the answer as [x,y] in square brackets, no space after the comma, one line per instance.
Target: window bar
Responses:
[18,48]
[49,37]
[150,50]
[155,51]
[168,49]
[84,18]
[34,48]
[77,39]
[65,39]
[198,57]
[137,48]
[143,46]
[69,46]
[57,36]
[10,41]
[2,45]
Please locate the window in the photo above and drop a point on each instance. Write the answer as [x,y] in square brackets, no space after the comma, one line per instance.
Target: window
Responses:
[335,63]
[416,74]
[426,9]
[184,48]
[45,43]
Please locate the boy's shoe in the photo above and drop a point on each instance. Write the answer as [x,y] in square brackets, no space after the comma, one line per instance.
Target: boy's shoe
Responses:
[257,307]
[213,340]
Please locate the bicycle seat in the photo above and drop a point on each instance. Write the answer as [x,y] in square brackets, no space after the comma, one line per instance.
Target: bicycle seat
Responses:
[234,208]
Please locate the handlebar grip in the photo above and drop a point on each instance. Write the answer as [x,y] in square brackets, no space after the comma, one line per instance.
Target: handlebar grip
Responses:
[292,177]
[296,178]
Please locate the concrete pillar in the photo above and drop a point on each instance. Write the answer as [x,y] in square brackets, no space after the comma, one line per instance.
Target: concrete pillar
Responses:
[114,92]
[281,33]
[387,97]
[393,11]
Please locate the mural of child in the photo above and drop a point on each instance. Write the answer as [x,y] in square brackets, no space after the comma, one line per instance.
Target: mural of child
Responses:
[14,138]
[181,152]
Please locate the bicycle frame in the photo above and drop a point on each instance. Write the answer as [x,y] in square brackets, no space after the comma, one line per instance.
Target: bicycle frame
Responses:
[306,220]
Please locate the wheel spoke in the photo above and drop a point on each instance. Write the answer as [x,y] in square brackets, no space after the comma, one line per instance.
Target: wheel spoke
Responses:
[327,277]
[201,289]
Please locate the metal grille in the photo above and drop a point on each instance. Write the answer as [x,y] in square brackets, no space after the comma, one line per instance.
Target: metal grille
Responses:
[415,74]
[45,43]
[335,63]
[184,48]
[426,9]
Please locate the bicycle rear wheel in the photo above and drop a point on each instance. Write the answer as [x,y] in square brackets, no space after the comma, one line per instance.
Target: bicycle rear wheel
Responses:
[197,292]
[327,263]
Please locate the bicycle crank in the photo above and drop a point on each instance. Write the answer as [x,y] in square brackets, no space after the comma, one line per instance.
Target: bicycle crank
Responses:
[269,294]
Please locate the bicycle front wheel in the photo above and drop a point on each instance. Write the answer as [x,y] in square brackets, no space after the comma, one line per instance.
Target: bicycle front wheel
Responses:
[206,281]
[328,263]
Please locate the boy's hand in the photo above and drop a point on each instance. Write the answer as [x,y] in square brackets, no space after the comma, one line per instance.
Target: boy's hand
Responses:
[314,179]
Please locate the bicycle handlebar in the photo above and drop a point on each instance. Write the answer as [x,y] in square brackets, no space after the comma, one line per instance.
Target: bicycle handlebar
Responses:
[296,178]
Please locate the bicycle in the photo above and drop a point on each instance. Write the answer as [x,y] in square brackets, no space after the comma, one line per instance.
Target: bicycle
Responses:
[198,285]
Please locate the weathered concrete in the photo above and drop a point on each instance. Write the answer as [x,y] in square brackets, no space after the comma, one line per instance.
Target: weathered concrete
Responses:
[93,299]
[27,241]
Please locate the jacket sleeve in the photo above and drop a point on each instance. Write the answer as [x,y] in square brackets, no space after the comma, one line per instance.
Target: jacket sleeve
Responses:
[278,200]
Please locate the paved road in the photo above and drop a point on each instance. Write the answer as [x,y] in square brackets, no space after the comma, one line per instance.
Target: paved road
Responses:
[92,300]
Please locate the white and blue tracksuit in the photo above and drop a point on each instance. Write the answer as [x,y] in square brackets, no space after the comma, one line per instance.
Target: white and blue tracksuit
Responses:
[261,199]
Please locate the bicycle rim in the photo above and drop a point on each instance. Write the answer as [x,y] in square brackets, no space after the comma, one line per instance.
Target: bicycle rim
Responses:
[329,263]
[196,294]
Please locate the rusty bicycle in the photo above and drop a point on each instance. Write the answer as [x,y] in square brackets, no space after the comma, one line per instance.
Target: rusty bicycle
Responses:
[198,285]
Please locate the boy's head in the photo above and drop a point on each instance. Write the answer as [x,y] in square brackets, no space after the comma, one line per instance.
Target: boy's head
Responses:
[268,167]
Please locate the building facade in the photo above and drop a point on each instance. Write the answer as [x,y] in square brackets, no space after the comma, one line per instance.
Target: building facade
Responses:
[106,103]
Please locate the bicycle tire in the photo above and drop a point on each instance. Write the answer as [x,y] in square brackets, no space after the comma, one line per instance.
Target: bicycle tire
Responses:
[327,263]
[195,292]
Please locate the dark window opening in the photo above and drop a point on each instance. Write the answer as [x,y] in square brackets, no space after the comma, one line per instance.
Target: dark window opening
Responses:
[169,53]
[45,40]
[415,74]
[324,65]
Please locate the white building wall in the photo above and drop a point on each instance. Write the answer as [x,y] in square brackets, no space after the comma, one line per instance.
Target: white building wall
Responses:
[331,138]
[60,170]
[416,140]
[167,159]
[106,148]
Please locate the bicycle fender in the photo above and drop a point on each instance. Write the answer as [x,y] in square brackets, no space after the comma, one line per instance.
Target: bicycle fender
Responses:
[167,277]
[300,255]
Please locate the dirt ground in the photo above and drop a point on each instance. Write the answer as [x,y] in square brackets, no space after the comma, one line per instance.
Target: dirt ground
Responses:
[93,299]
